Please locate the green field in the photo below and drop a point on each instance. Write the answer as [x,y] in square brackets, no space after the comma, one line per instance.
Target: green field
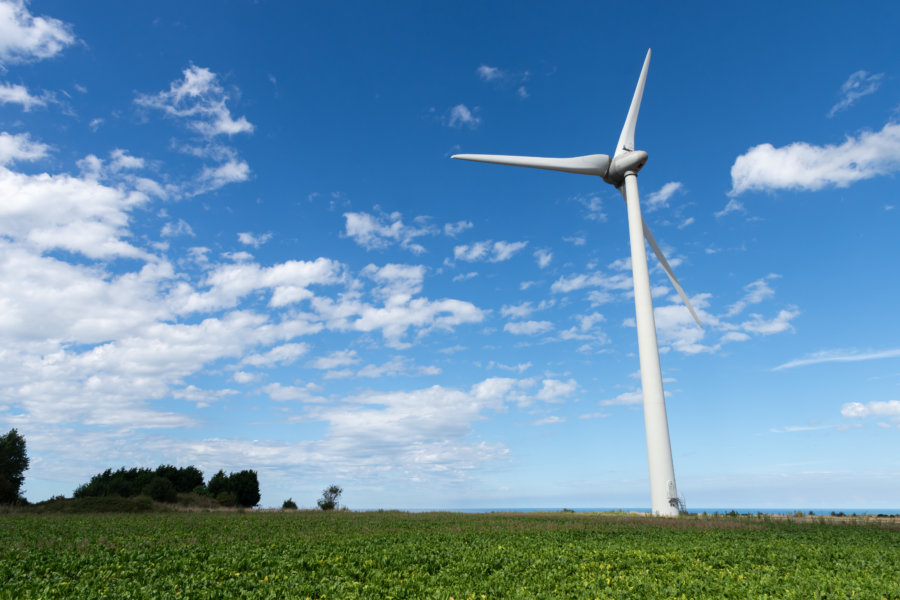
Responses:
[305,554]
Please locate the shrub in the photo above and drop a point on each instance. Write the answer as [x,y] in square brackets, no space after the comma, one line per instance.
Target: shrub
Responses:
[329,499]
[289,504]
[226,498]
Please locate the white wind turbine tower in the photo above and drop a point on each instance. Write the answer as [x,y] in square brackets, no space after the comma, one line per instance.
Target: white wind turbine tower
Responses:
[621,171]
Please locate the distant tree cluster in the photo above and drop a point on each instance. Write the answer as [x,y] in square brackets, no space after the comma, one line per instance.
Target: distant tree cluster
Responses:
[241,488]
[164,483]
[13,464]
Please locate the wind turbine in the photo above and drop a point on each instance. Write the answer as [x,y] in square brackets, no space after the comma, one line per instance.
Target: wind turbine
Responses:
[621,171]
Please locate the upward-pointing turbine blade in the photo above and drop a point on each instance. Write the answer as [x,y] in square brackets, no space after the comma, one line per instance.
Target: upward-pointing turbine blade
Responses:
[626,139]
[669,272]
[592,164]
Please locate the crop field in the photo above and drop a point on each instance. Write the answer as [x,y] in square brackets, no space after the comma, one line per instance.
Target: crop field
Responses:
[306,554]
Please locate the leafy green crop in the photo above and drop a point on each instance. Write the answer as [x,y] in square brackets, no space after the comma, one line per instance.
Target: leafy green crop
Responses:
[305,554]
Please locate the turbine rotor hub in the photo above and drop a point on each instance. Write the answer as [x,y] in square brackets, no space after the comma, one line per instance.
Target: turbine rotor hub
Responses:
[631,161]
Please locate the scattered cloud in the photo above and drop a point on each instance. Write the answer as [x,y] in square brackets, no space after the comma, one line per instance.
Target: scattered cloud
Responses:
[19,94]
[858,410]
[528,327]
[660,198]
[556,390]
[487,73]
[27,38]
[859,84]
[830,356]
[249,239]
[803,166]
[461,116]
[20,147]
[543,257]
[375,232]
[201,100]
[488,250]
[454,229]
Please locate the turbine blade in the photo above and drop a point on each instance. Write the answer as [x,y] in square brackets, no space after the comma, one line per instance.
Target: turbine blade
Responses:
[592,164]
[626,139]
[669,272]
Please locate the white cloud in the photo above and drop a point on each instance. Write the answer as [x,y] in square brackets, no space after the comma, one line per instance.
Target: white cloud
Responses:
[624,399]
[487,250]
[757,291]
[619,281]
[18,94]
[594,205]
[660,198]
[20,147]
[518,311]
[465,276]
[576,240]
[335,359]
[454,229]
[828,356]
[859,84]
[249,239]
[24,37]
[528,327]
[59,211]
[555,390]
[177,228]
[488,73]
[543,258]
[858,410]
[553,419]
[201,100]
[213,178]
[803,166]
[202,398]
[376,232]
[284,354]
[461,116]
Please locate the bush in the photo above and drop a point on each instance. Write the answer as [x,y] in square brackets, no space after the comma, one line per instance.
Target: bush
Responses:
[329,499]
[226,498]
[289,504]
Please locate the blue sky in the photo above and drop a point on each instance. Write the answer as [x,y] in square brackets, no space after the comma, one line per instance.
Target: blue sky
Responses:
[232,236]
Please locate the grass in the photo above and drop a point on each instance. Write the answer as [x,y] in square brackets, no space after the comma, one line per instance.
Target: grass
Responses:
[300,554]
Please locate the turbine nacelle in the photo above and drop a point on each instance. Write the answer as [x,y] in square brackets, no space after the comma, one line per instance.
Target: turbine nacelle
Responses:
[629,162]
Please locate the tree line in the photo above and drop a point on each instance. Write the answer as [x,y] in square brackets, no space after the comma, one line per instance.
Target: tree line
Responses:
[162,484]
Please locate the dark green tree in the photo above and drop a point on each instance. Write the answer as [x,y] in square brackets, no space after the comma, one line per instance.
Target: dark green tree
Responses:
[245,486]
[161,489]
[329,499]
[218,483]
[13,464]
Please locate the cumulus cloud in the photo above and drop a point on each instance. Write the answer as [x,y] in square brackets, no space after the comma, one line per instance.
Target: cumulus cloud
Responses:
[250,239]
[556,390]
[374,232]
[20,147]
[803,166]
[487,250]
[19,94]
[858,410]
[201,100]
[859,84]
[24,37]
